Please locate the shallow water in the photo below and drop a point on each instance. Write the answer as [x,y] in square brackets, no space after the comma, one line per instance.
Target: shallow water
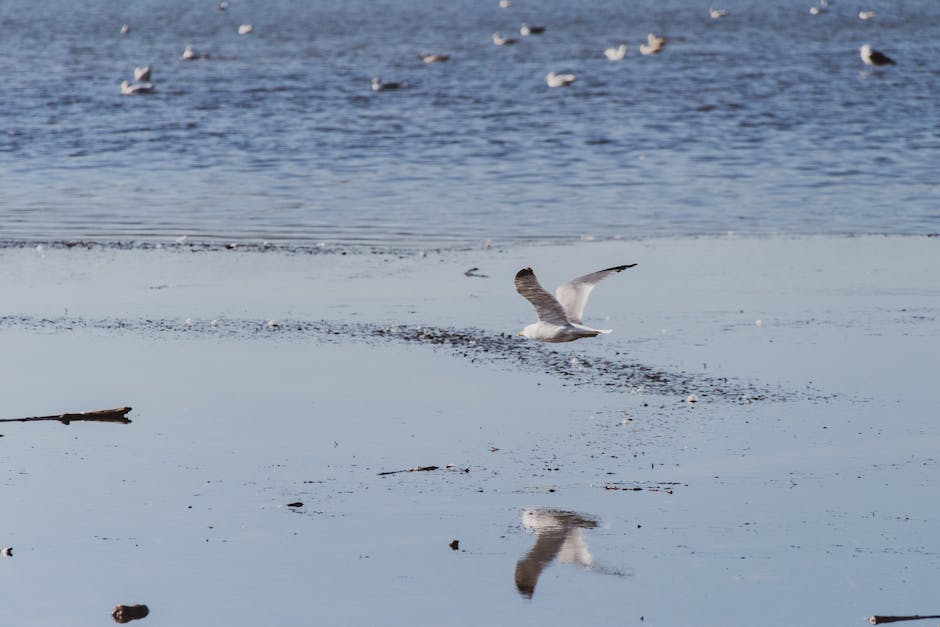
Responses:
[744,512]
[761,122]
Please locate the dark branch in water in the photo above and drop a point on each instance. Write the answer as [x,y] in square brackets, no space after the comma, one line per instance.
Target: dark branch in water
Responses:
[415,469]
[118,414]
[877,620]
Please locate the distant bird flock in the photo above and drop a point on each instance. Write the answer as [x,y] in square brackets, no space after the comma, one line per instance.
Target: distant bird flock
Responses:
[654,44]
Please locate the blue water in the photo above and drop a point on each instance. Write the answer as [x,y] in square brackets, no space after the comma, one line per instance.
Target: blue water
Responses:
[765,121]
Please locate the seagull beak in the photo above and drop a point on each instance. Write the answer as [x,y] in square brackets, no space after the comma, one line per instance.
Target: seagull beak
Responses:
[520,333]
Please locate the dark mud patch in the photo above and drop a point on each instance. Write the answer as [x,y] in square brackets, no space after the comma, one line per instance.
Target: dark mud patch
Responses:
[476,345]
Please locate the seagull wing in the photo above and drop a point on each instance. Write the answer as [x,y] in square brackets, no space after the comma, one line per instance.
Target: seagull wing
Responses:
[573,295]
[546,307]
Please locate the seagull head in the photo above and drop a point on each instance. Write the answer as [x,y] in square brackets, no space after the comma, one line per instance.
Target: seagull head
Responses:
[529,331]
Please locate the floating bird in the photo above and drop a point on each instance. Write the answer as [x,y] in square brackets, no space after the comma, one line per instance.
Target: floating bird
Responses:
[189,54]
[499,40]
[873,57]
[378,85]
[505,4]
[244,29]
[125,28]
[616,54]
[131,89]
[717,13]
[558,535]
[560,315]
[817,10]
[559,80]
[525,30]
[866,15]
[142,73]
[434,58]
[222,6]
[653,44]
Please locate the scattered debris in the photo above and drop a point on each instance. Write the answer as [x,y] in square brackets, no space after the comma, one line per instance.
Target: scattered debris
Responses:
[127,613]
[118,414]
[454,544]
[415,469]
[473,272]
[295,504]
[877,620]
[663,486]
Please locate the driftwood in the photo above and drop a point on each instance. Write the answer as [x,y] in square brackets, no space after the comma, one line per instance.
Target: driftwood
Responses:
[877,620]
[118,414]
[415,469]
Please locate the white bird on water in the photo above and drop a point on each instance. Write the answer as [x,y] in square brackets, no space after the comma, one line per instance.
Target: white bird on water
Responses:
[245,29]
[616,54]
[132,89]
[434,58]
[717,13]
[525,30]
[873,57]
[559,80]
[653,45]
[142,73]
[378,85]
[189,54]
[560,315]
[499,40]
[866,15]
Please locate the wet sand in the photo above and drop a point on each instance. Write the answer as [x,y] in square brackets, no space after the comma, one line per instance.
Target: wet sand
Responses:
[800,488]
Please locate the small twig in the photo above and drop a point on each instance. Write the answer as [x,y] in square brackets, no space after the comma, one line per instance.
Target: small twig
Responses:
[415,469]
[118,414]
[877,620]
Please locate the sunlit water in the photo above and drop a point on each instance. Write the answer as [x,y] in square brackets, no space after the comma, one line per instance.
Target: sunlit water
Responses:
[765,121]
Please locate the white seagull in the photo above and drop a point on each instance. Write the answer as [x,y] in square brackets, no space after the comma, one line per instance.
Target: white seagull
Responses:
[142,73]
[558,535]
[653,44]
[873,57]
[866,15]
[505,4]
[378,85]
[559,80]
[525,30]
[434,58]
[189,54]
[125,28]
[616,54]
[817,10]
[717,13]
[245,29]
[499,40]
[129,89]
[560,315]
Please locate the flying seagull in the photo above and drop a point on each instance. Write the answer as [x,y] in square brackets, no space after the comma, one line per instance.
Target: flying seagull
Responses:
[560,315]
[873,57]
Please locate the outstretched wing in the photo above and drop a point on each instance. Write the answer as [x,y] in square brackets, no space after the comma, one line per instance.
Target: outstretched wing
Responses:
[573,295]
[547,308]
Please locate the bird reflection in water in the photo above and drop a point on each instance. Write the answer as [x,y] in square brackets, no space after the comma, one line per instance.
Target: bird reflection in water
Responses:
[558,535]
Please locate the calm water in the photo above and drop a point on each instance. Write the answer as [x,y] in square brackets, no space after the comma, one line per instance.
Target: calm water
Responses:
[764,122]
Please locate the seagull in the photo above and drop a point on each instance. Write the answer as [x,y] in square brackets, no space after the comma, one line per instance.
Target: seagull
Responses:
[616,54]
[378,85]
[866,15]
[434,58]
[873,57]
[559,80]
[142,73]
[525,30]
[560,316]
[817,10]
[717,13]
[189,54]
[505,4]
[558,534]
[653,44]
[125,28]
[244,29]
[222,6]
[499,40]
[129,89]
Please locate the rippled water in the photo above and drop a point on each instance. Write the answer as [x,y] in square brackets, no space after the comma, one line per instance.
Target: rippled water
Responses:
[765,121]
